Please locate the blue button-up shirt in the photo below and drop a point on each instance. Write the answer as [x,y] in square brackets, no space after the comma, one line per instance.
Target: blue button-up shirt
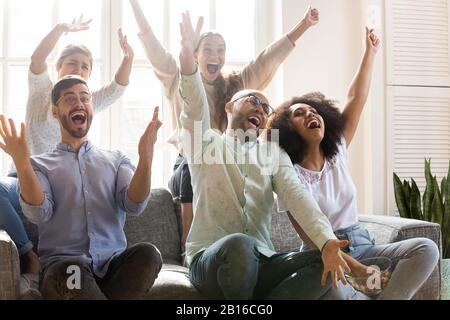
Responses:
[86,197]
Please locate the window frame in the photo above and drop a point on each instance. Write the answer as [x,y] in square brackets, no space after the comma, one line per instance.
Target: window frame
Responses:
[110,59]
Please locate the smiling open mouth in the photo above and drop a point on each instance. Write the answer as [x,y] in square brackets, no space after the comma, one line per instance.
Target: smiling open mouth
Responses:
[78,118]
[255,121]
[212,68]
[314,124]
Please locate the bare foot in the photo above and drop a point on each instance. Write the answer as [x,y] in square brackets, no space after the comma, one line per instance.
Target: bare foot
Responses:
[32,264]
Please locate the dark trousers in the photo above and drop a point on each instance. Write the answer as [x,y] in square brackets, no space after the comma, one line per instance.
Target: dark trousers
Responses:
[233,269]
[129,277]
[180,183]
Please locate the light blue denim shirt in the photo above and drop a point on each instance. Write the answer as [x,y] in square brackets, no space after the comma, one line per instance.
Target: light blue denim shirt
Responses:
[86,197]
[234,183]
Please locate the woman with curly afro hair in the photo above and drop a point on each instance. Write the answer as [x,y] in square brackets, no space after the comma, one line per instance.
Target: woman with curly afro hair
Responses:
[316,134]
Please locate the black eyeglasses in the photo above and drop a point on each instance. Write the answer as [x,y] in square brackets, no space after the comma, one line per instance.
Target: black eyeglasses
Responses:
[255,101]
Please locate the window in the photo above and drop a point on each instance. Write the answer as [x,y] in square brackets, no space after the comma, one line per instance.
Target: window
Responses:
[120,126]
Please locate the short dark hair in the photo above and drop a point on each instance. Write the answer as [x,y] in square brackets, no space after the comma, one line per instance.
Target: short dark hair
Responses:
[72,49]
[292,142]
[63,84]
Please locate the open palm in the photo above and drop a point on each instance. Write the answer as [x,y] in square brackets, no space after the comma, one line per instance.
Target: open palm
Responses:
[13,144]
[77,25]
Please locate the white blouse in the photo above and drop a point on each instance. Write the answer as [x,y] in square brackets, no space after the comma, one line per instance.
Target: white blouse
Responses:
[333,189]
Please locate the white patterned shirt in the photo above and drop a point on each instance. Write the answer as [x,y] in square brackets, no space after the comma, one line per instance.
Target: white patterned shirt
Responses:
[236,196]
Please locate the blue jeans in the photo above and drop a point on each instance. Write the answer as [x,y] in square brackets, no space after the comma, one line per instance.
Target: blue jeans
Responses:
[9,217]
[233,268]
[414,260]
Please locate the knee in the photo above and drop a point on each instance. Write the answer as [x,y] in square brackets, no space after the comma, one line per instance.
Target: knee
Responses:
[238,245]
[56,279]
[7,185]
[148,256]
[428,250]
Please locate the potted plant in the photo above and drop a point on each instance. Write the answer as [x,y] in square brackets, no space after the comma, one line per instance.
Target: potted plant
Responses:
[433,206]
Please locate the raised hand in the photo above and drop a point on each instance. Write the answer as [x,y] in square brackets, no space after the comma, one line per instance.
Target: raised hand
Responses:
[373,43]
[189,36]
[13,144]
[334,263]
[148,139]
[76,25]
[127,50]
[311,17]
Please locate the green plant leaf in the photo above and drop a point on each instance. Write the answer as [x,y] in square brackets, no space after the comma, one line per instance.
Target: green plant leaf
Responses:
[429,192]
[415,202]
[444,188]
[400,198]
[407,190]
[437,208]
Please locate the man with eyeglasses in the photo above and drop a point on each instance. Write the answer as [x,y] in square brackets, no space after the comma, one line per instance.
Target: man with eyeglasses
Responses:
[78,195]
[228,249]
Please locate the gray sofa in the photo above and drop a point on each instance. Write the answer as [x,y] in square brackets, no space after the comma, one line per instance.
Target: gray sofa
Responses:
[160,225]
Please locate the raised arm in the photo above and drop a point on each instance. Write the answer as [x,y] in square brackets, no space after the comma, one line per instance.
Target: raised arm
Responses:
[141,21]
[140,185]
[310,19]
[195,106]
[164,65]
[258,73]
[16,146]
[40,55]
[124,71]
[360,87]
[189,42]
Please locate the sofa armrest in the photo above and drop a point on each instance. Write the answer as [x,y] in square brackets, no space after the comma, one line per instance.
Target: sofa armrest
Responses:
[9,268]
[392,229]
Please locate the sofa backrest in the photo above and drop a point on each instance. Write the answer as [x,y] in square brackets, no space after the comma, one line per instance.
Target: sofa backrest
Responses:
[282,233]
[160,225]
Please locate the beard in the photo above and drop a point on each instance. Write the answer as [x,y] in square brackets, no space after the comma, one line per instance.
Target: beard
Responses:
[241,128]
[75,132]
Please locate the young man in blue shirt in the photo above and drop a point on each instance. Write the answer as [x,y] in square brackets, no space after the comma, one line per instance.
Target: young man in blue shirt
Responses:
[78,195]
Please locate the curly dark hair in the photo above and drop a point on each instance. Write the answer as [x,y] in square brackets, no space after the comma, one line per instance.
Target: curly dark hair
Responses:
[292,142]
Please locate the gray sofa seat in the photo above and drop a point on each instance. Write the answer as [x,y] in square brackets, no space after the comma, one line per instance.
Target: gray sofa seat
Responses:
[160,224]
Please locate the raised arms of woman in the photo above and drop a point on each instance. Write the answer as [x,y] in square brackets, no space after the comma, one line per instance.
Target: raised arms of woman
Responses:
[258,73]
[46,46]
[164,64]
[360,86]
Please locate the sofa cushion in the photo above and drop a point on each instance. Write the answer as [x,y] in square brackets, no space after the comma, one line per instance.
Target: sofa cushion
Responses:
[173,284]
[158,224]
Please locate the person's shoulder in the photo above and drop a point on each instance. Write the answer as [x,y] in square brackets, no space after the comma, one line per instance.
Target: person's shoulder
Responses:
[45,160]
[43,76]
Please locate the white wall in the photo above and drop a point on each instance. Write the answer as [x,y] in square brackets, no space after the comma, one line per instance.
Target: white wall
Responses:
[326,59]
